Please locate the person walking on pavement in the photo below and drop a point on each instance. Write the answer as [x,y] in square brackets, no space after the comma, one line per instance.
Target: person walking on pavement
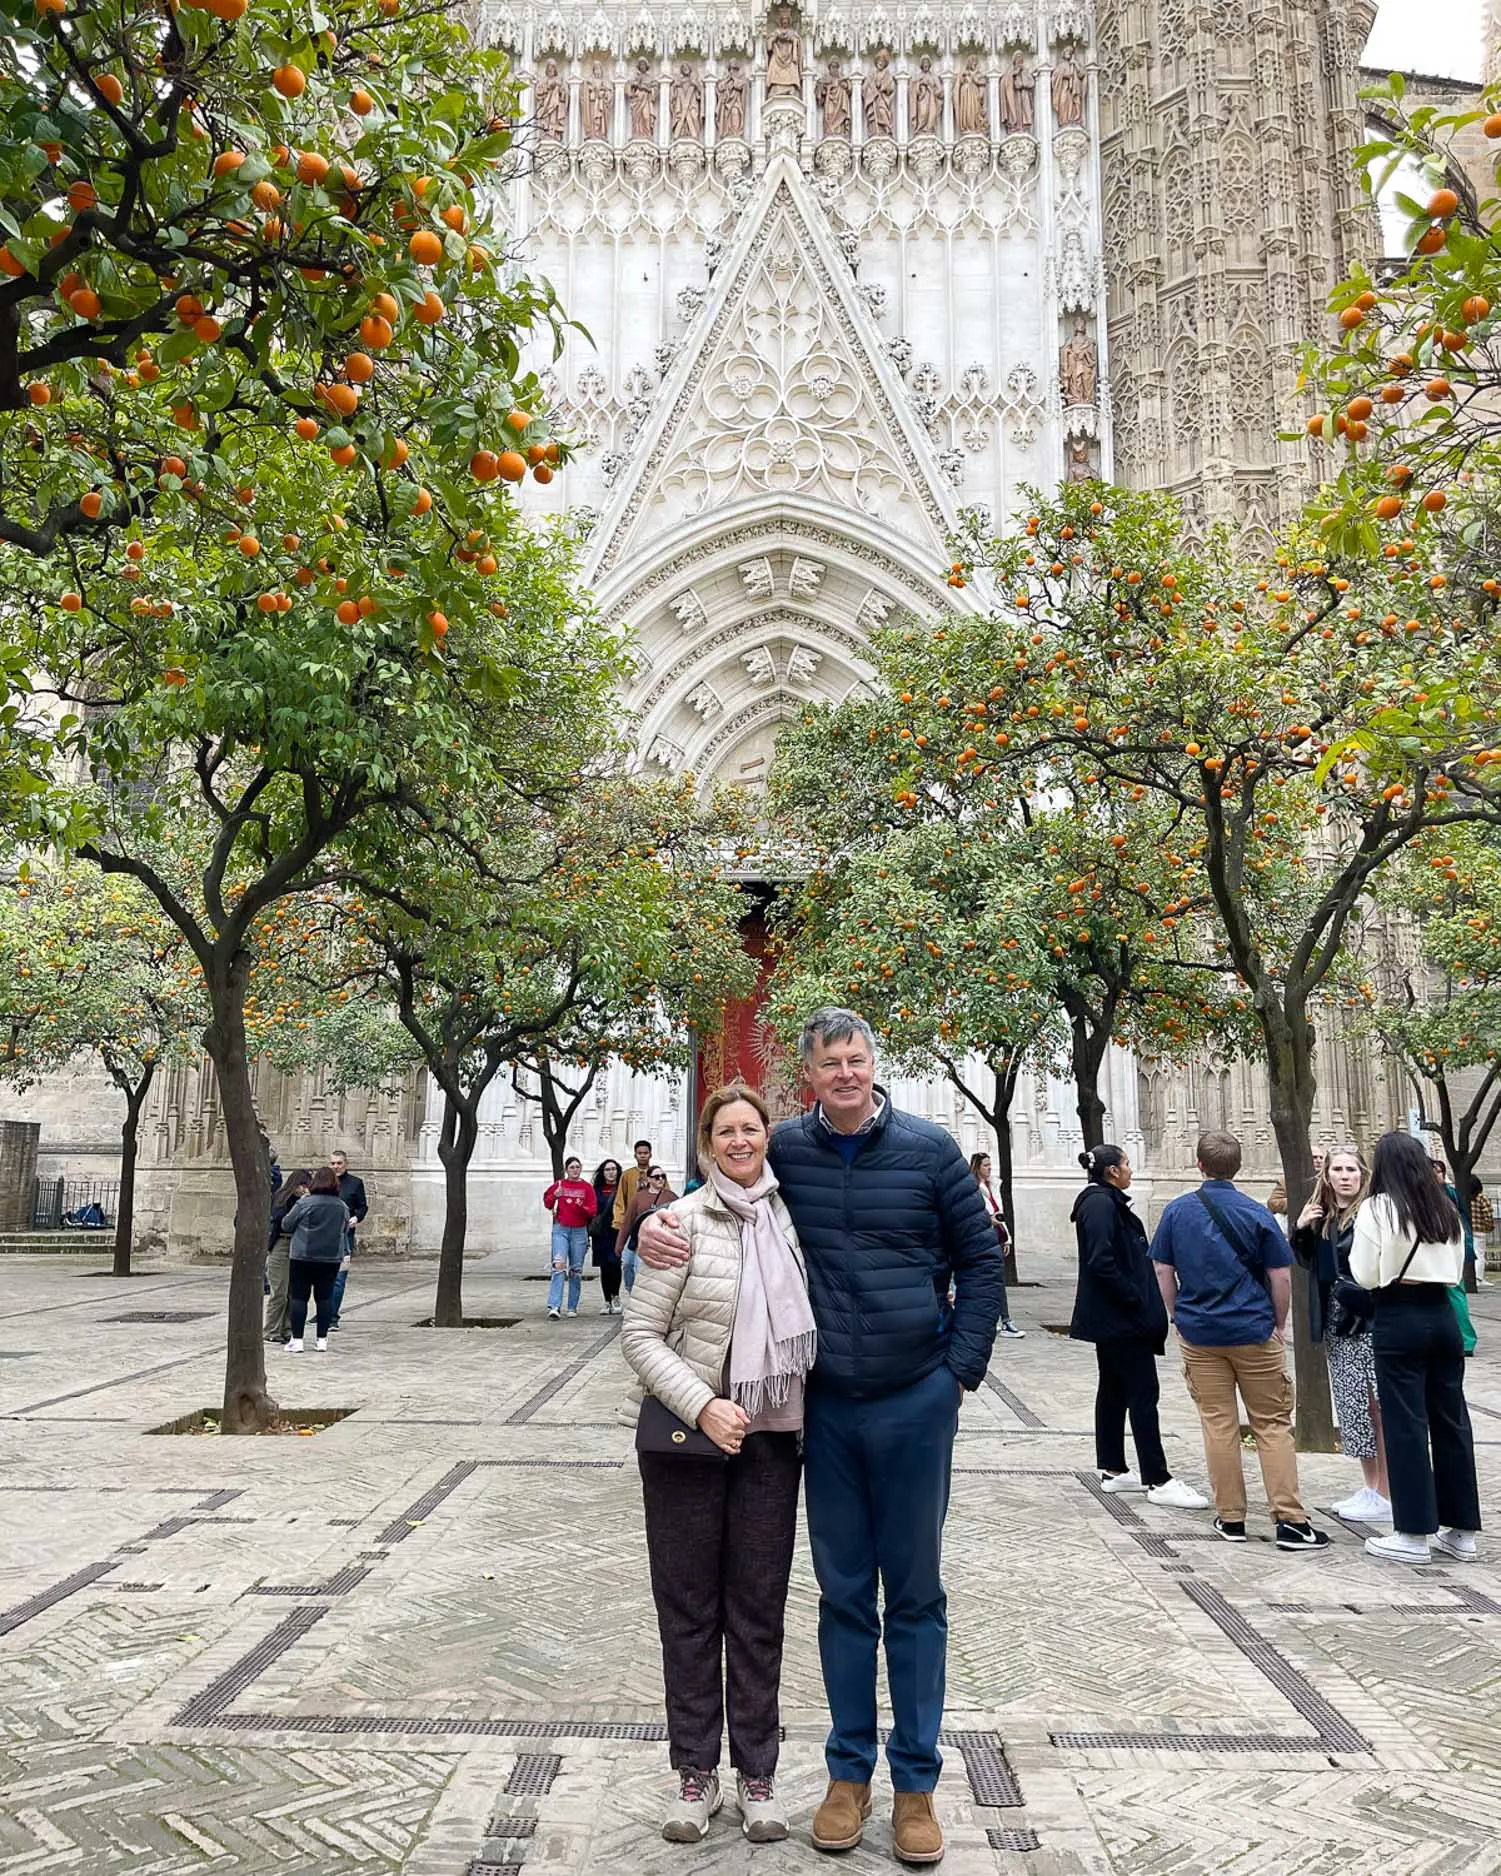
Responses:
[630,1184]
[1224,1269]
[723,1344]
[1119,1308]
[352,1192]
[571,1201]
[1408,1248]
[651,1195]
[602,1236]
[1339,1316]
[979,1165]
[888,1218]
[316,1225]
[275,1327]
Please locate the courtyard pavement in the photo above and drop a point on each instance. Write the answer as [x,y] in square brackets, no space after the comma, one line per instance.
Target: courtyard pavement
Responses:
[421,1640]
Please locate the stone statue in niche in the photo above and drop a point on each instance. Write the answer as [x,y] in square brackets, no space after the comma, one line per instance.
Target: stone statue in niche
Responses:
[729,102]
[641,101]
[880,98]
[1068,90]
[685,104]
[552,103]
[833,96]
[925,101]
[1018,97]
[784,60]
[971,108]
[597,106]
[1078,366]
[1080,465]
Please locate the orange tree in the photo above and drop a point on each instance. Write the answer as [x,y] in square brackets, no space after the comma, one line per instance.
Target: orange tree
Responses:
[1301,727]
[88,965]
[602,933]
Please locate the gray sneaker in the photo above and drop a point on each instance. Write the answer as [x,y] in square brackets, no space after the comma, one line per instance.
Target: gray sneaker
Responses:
[699,1797]
[762,1817]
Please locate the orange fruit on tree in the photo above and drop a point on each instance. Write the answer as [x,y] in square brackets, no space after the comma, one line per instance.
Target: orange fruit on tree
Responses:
[1437,389]
[9,264]
[453,215]
[1399,474]
[249,546]
[537,453]
[306,428]
[1492,125]
[1388,507]
[553,454]
[428,310]
[423,502]
[1392,394]
[342,397]
[56,8]
[71,602]
[1351,317]
[486,565]
[1315,425]
[291,542]
[85,302]
[543,472]
[344,455]
[207,329]
[512,465]
[311,167]
[346,612]
[396,453]
[92,504]
[1432,240]
[425,248]
[108,87]
[1476,308]
[361,102]
[438,622]
[228,161]
[39,393]
[519,420]
[266,602]
[82,195]
[1442,202]
[1358,408]
[136,550]
[1399,364]
[484,465]
[385,306]
[1435,501]
[289,80]
[359,367]
[265,194]
[375,330]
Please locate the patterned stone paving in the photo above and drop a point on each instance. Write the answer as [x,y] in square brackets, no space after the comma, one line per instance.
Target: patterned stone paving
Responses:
[420,1641]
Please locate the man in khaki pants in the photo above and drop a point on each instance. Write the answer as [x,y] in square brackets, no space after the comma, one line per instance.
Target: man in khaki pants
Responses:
[1225,1272]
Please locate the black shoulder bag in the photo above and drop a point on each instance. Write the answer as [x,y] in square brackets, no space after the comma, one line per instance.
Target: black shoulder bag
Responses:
[658,1430]
[1251,1265]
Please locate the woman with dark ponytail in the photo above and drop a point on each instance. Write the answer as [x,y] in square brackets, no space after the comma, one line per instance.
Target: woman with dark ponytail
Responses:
[1119,1308]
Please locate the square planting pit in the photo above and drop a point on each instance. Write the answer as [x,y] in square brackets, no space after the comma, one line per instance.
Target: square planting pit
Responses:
[475,1322]
[294,1422]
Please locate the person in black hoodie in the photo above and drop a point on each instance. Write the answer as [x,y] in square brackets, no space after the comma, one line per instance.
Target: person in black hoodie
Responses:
[1119,1308]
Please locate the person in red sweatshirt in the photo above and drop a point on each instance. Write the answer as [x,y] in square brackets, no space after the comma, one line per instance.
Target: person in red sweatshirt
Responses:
[572,1203]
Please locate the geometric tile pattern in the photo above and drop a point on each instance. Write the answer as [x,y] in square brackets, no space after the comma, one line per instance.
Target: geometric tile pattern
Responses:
[424,1643]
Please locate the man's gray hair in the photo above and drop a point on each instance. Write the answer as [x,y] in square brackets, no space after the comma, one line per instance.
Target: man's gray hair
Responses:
[833,1024]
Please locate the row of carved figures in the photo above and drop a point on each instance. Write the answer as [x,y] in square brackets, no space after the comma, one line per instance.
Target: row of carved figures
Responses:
[833,94]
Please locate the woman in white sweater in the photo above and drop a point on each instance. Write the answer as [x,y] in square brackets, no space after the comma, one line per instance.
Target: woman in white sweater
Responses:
[1409,1248]
[723,1343]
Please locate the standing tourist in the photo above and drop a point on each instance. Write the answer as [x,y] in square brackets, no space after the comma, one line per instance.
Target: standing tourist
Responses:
[1118,1306]
[1225,1273]
[316,1225]
[1482,1224]
[352,1191]
[888,1219]
[722,1343]
[602,1235]
[571,1201]
[1409,1249]
[275,1328]
[1339,1316]
[625,1192]
[651,1195]
[979,1165]
[1276,1201]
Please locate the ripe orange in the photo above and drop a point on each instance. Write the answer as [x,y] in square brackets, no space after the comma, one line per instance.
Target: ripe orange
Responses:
[341,397]
[359,367]
[425,248]
[1400,364]
[249,546]
[1392,394]
[9,264]
[306,428]
[1432,240]
[85,302]
[553,454]
[311,167]
[428,310]
[486,565]
[1435,501]
[346,612]
[56,8]
[136,550]
[484,465]
[542,473]
[1351,317]
[1437,389]
[423,502]
[206,330]
[1476,308]
[228,161]
[71,602]
[439,623]
[375,330]
[396,453]
[537,453]
[265,194]
[289,80]
[174,466]
[266,602]
[1492,125]
[1358,408]
[39,393]
[453,215]
[361,103]
[291,542]
[108,87]
[519,420]
[92,504]
[384,306]
[344,455]
[1442,202]
[1389,507]
[1315,425]
[512,465]
[81,195]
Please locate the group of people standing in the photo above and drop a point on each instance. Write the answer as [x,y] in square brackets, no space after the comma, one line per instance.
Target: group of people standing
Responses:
[1385,1251]
[601,1217]
[314,1216]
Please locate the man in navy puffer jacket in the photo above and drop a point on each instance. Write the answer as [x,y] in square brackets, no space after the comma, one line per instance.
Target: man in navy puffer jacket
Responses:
[888,1216]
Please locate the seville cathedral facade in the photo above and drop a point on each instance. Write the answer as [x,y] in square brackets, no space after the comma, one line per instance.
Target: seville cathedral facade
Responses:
[848,270]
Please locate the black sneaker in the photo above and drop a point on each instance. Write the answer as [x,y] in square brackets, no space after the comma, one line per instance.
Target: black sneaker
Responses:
[1233,1530]
[1301,1537]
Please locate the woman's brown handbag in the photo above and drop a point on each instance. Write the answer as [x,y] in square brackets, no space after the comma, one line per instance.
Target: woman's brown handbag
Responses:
[658,1430]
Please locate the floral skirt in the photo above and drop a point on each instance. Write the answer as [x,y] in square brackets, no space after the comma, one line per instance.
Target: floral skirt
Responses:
[1352,1381]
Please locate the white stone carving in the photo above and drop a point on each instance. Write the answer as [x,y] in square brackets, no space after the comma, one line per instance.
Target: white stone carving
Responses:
[874,298]
[758,579]
[802,664]
[690,610]
[665,355]
[874,611]
[665,754]
[702,699]
[760,666]
[690,301]
[804,578]
[951,462]
[899,351]
[1016,27]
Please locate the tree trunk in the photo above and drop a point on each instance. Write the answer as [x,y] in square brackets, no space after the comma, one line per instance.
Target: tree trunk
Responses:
[1005,1087]
[130,1136]
[456,1142]
[1291,1088]
[248,1408]
[1088,1057]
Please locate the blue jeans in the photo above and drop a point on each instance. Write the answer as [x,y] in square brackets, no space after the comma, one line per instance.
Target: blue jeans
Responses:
[877,1492]
[337,1299]
[629,1263]
[570,1246]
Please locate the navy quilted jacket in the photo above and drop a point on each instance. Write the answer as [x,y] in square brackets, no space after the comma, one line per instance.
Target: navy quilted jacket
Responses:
[882,1238]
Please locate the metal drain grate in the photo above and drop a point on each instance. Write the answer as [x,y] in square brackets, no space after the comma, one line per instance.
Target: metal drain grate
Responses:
[532,1774]
[513,1827]
[991,1778]
[493,1869]
[162,1315]
[1183,1742]
[1013,1839]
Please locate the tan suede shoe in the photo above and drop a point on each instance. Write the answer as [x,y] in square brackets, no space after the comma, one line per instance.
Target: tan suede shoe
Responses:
[915,1828]
[840,1819]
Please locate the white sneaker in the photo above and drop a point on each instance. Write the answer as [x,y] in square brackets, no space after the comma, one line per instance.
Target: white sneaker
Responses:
[553,1315]
[1176,1492]
[1366,1506]
[1011,1332]
[321,1345]
[294,1347]
[1484,1283]
[699,1797]
[573,1312]
[761,1817]
[607,1309]
[1399,1547]
[1120,1482]
[1460,1545]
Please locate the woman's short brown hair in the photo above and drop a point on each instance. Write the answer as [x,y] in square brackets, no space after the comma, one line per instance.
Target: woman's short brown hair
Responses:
[720,1099]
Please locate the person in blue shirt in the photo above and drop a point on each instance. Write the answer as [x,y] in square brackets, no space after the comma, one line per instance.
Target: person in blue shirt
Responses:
[1225,1272]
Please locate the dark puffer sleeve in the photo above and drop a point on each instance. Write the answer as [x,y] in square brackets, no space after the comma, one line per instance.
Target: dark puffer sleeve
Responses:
[975,1258]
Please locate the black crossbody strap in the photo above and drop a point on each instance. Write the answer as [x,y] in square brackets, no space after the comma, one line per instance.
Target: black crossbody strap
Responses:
[1251,1265]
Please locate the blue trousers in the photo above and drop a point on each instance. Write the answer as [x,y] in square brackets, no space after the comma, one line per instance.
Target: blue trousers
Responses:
[341,1280]
[570,1246]
[877,1490]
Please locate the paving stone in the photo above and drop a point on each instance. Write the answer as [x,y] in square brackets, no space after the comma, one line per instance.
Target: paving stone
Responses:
[421,1641]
